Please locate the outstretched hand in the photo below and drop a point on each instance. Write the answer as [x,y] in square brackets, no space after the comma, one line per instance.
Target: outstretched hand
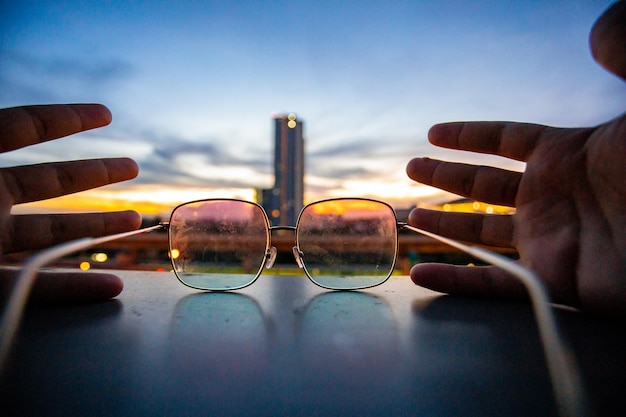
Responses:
[570,220]
[30,125]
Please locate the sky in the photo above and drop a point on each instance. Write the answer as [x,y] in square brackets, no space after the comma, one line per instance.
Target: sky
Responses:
[193,85]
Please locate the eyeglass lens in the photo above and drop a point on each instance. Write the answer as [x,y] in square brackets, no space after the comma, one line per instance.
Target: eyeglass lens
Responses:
[218,244]
[348,243]
[224,244]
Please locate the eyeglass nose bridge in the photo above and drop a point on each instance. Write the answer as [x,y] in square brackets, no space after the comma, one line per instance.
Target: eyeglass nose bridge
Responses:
[270,256]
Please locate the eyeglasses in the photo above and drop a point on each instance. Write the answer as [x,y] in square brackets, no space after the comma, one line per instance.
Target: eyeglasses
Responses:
[341,244]
[344,244]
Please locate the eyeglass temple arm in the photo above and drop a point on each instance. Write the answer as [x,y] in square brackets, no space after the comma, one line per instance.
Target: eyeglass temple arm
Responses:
[23,285]
[564,373]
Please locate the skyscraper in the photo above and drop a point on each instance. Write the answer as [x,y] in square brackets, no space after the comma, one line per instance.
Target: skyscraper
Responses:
[284,201]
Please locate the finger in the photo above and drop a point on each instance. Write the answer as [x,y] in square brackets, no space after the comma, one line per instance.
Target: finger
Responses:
[63,288]
[488,281]
[491,230]
[28,125]
[43,181]
[608,39]
[481,183]
[35,231]
[507,139]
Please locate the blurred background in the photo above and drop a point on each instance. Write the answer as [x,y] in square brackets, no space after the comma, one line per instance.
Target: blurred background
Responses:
[194,87]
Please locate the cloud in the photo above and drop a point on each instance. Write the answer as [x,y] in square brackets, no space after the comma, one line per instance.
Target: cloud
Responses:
[210,162]
[15,91]
[37,78]
[99,70]
[341,173]
[352,149]
[203,162]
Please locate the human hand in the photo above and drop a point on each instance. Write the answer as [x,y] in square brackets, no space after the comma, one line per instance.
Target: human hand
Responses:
[570,220]
[30,125]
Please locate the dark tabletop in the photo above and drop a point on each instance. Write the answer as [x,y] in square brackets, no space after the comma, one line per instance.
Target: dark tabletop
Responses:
[286,347]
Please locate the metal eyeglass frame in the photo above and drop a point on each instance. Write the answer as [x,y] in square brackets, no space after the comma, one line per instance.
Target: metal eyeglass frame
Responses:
[271,251]
[569,394]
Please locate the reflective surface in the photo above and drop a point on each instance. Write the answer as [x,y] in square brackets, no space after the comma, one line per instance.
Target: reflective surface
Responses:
[287,347]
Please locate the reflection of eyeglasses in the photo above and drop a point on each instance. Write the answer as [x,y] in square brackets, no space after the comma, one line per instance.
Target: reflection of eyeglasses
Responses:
[344,244]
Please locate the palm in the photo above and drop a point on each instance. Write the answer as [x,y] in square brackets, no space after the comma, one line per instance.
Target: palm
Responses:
[570,214]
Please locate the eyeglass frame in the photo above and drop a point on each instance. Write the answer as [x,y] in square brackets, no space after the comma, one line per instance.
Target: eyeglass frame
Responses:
[270,252]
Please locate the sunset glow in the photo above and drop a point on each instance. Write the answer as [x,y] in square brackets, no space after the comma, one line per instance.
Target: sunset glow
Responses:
[156,200]
[341,207]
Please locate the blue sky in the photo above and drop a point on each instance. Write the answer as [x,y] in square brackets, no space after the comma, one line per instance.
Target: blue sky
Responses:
[193,84]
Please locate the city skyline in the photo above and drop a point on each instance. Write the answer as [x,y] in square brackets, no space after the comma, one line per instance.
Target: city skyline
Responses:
[192,87]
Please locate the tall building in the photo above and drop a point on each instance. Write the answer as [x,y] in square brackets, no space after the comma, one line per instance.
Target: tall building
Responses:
[284,201]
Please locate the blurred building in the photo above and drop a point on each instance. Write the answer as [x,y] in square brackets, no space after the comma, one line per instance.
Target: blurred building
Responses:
[284,201]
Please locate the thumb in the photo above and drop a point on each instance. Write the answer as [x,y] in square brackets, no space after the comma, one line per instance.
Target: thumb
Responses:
[608,39]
